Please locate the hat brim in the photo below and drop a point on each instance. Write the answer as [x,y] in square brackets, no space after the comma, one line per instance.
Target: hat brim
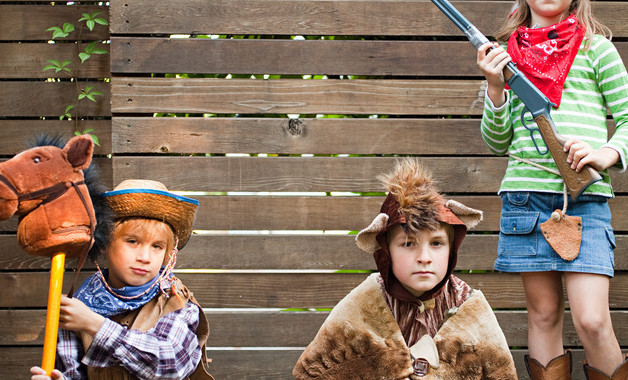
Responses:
[177,211]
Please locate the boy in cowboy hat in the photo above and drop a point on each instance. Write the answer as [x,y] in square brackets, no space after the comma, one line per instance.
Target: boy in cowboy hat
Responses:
[135,319]
[414,319]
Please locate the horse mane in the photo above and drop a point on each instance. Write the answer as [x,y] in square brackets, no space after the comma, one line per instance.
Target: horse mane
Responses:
[104,214]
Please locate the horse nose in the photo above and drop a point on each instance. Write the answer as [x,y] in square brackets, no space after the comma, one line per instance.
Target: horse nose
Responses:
[8,201]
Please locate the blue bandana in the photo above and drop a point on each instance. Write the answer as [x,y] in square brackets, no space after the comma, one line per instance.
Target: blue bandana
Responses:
[97,297]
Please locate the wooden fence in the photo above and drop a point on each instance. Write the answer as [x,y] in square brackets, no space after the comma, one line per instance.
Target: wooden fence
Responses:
[283,161]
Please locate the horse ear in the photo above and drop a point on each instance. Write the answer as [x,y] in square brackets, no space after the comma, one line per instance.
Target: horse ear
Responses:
[79,151]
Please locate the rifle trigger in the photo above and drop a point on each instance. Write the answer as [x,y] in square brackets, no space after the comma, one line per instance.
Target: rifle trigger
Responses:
[532,130]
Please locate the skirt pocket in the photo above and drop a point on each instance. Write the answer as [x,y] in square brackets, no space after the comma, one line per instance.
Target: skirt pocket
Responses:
[517,235]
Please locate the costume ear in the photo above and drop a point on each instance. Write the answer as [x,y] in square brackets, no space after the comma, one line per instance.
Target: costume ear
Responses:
[469,216]
[366,238]
[79,151]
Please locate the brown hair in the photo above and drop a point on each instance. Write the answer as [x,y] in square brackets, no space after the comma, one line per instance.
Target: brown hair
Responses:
[581,8]
[150,228]
[412,231]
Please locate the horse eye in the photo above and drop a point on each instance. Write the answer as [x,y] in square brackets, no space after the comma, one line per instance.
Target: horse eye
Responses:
[36,159]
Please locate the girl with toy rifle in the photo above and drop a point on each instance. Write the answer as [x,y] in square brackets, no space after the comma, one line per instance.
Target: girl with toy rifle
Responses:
[545,235]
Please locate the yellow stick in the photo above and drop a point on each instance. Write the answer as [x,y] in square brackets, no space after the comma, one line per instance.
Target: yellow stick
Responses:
[52,316]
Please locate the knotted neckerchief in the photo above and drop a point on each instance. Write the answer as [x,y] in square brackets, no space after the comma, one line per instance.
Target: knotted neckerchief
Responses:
[108,301]
[545,55]
[96,293]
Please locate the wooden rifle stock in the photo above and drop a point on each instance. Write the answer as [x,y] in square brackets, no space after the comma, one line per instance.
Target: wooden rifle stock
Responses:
[576,182]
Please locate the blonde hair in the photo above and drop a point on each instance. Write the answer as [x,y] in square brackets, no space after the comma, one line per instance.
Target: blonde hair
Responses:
[581,8]
[149,228]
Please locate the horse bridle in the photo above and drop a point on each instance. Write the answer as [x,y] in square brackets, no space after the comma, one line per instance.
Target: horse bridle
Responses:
[51,193]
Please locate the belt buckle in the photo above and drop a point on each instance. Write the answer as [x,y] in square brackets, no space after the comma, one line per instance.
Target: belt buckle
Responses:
[421,367]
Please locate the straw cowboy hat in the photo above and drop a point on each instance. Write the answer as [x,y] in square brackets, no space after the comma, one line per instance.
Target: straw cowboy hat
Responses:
[152,200]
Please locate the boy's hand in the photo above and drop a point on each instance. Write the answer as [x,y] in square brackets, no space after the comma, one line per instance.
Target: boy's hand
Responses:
[39,374]
[76,316]
[580,153]
[492,63]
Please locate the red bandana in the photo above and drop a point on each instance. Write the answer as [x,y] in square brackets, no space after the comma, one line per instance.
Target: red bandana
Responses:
[545,55]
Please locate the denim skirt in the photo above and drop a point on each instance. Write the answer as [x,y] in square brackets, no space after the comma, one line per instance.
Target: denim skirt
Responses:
[522,247]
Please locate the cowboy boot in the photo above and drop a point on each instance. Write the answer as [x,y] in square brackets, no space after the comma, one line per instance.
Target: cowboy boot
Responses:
[558,368]
[621,373]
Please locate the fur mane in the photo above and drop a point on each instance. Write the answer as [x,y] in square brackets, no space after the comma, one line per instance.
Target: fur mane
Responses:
[414,189]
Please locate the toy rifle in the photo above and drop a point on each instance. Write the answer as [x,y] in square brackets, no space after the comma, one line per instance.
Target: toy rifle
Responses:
[536,103]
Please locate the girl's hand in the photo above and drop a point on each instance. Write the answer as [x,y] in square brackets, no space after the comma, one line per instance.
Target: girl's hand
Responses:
[76,316]
[580,153]
[39,374]
[492,63]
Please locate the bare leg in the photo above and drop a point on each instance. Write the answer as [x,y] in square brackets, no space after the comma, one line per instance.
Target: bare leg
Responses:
[588,301]
[546,310]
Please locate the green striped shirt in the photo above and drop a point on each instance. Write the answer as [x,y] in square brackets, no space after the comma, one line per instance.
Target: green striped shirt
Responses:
[597,80]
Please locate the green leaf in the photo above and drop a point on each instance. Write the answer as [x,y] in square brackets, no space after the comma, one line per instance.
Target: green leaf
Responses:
[68,27]
[88,132]
[100,51]
[57,32]
[101,21]
[90,24]
[90,47]
[67,112]
[56,66]
[84,57]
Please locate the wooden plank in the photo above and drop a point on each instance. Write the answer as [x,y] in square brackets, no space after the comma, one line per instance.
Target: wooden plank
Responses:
[477,175]
[454,175]
[17,134]
[246,56]
[312,17]
[297,329]
[20,22]
[241,363]
[27,99]
[250,252]
[332,96]
[199,96]
[289,290]
[164,55]
[267,213]
[250,328]
[297,136]
[22,60]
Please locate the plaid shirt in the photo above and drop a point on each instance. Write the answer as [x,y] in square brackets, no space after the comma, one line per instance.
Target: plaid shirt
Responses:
[170,350]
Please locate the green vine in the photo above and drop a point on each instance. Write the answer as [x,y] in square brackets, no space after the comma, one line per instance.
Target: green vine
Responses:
[84,52]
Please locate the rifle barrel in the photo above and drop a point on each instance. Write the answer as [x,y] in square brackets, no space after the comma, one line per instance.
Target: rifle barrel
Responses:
[476,38]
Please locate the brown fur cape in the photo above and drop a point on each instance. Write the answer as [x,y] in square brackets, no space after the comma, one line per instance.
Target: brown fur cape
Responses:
[361,340]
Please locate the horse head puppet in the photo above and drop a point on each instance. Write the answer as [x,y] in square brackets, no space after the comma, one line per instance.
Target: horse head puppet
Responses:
[45,187]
